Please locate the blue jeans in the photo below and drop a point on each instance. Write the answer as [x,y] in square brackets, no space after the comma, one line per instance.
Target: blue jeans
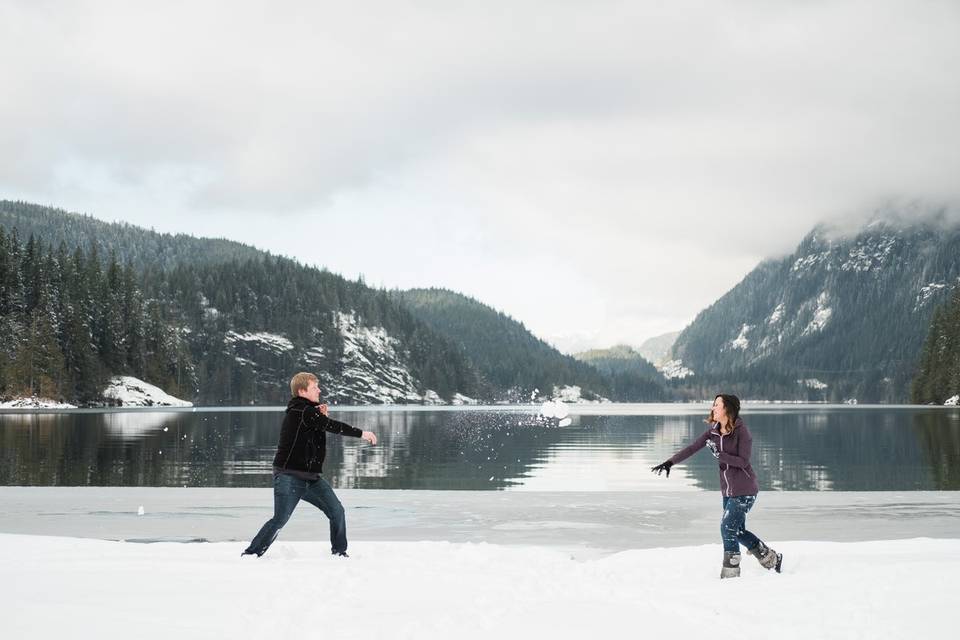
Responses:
[733,525]
[287,492]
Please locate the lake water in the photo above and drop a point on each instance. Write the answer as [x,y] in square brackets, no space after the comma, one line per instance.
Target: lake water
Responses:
[607,448]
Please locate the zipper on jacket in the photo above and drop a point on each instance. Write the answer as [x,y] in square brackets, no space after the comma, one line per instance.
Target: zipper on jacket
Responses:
[295,437]
[725,479]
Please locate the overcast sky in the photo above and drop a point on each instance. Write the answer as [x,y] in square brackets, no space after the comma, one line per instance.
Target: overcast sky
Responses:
[601,171]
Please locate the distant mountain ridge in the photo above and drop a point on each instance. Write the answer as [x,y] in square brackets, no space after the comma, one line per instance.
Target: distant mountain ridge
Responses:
[618,358]
[657,349]
[840,318]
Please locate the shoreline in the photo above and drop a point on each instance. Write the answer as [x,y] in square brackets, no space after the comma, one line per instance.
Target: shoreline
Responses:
[581,409]
[606,522]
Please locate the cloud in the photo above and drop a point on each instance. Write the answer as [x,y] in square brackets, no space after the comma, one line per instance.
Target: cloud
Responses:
[611,150]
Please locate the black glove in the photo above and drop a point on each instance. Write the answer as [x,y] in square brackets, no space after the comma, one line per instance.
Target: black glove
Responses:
[660,468]
[710,444]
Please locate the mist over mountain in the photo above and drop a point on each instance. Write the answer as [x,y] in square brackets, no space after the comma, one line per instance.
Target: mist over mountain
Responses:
[657,349]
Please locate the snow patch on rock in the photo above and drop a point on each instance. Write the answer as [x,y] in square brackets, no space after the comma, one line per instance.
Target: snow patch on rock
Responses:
[268,341]
[777,314]
[312,356]
[813,383]
[431,397]
[675,369]
[952,401]
[806,263]
[869,254]
[927,292]
[741,342]
[127,391]
[821,316]
[573,393]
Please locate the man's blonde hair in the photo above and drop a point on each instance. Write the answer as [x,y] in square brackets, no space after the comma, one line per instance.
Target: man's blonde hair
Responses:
[301,381]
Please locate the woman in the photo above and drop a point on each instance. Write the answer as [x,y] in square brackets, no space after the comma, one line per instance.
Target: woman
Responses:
[730,442]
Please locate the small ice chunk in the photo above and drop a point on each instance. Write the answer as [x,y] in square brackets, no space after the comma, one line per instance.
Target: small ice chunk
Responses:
[140,511]
[560,410]
[566,422]
[554,409]
[547,409]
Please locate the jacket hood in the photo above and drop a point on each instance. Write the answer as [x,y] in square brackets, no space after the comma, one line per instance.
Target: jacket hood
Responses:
[736,425]
[299,403]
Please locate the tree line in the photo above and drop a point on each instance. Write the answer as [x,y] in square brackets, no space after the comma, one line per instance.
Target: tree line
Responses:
[70,318]
[938,373]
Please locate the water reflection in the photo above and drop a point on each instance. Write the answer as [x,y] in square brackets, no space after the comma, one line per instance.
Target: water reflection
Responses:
[821,448]
[941,445]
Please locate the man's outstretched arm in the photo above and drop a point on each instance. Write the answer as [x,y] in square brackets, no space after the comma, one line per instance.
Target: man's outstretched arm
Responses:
[334,426]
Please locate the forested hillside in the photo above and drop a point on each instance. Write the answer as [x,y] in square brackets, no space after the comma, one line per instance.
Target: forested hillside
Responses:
[208,320]
[631,374]
[511,357]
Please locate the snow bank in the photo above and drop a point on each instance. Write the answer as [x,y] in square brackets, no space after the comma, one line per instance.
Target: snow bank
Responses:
[431,397]
[53,587]
[459,400]
[33,402]
[574,394]
[128,391]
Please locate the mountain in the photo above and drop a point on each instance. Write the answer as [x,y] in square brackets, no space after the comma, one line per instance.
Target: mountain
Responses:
[618,359]
[512,359]
[631,374]
[657,349]
[212,321]
[843,317]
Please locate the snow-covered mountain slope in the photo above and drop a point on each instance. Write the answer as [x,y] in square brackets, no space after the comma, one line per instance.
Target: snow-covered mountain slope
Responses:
[373,367]
[852,312]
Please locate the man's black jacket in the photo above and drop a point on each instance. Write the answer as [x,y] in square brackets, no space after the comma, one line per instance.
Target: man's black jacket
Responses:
[303,436]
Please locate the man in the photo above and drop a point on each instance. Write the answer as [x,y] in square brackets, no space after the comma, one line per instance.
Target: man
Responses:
[298,464]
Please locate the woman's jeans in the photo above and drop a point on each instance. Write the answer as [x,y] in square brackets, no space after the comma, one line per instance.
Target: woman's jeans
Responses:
[287,492]
[733,526]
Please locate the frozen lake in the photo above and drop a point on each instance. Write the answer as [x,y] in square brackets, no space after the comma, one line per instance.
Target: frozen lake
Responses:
[595,522]
[607,448]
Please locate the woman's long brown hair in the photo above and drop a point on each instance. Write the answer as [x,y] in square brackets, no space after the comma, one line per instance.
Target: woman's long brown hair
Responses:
[731,405]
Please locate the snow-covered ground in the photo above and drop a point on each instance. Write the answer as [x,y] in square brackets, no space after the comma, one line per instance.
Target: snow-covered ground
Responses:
[128,391]
[62,587]
[471,564]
